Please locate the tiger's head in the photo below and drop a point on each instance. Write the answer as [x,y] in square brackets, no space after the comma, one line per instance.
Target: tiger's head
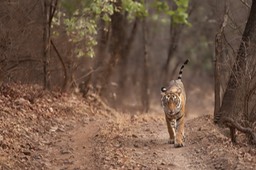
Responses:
[171,100]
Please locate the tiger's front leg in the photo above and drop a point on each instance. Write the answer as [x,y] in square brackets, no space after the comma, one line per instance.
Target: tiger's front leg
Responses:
[179,142]
[171,130]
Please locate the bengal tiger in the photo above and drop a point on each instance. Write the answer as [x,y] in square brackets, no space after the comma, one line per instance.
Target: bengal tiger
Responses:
[173,100]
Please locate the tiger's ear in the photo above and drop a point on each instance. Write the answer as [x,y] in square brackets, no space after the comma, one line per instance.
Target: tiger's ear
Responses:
[163,89]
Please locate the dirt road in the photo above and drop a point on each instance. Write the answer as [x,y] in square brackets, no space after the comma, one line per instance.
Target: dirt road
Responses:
[67,132]
[140,142]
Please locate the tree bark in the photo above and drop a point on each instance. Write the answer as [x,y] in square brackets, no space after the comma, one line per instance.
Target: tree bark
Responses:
[124,61]
[46,48]
[101,55]
[49,8]
[118,22]
[65,83]
[145,81]
[218,56]
[238,70]
[175,31]
[233,90]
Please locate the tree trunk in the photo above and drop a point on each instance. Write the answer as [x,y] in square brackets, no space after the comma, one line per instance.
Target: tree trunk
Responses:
[124,61]
[175,31]
[49,8]
[101,55]
[218,56]
[46,48]
[118,22]
[174,34]
[238,70]
[233,93]
[65,83]
[145,81]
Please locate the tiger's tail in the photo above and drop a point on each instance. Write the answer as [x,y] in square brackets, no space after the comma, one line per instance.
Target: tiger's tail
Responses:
[181,69]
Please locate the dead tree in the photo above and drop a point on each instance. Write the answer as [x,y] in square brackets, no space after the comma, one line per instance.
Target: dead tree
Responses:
[49,8]
[65,83]
[236,79]
[218,56]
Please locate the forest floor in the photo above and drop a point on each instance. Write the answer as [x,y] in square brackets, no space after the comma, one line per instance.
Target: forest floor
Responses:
[43,130]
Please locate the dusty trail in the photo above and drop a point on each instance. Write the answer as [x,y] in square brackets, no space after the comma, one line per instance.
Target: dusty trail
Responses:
[70,133]
[73,149]
[140,142]
[129,142]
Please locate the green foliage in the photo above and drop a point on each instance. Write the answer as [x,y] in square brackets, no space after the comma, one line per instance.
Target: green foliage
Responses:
[134,8]
[80,20]
[179,15]
[80,17]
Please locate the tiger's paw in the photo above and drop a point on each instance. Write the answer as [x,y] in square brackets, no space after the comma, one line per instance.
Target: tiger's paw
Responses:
[171,141]
[178,144]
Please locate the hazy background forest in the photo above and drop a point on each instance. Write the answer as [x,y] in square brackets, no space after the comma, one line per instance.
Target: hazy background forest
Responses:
[80,83]
[124,50]
[62,44]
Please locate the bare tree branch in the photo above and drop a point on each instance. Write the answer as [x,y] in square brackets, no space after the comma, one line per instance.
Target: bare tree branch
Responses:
[63,66]
[242,129]
[245,3]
